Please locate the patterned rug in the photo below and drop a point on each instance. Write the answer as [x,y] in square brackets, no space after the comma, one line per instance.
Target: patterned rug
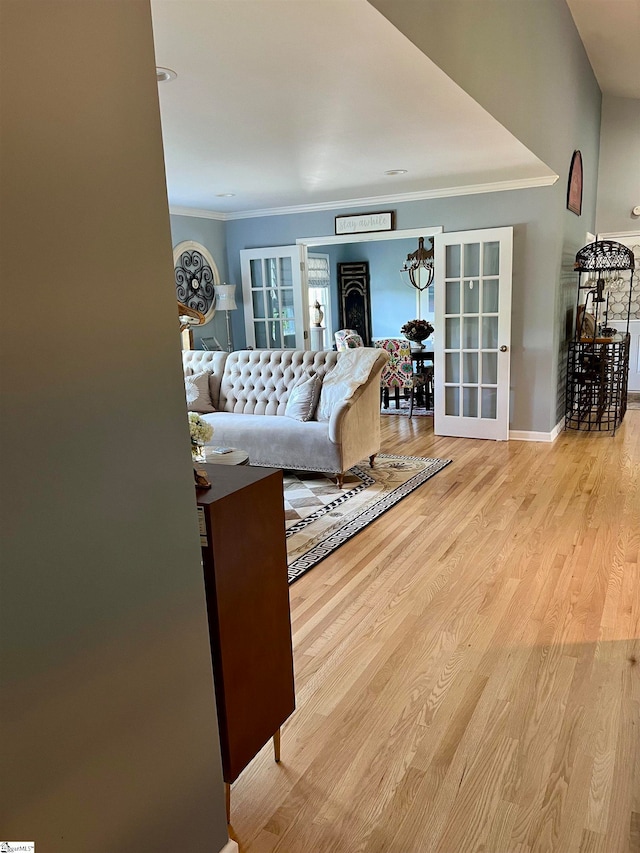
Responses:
[403,411]
[320,517]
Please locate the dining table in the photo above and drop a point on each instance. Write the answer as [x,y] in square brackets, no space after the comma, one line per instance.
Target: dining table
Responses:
[423,359]
[420,355]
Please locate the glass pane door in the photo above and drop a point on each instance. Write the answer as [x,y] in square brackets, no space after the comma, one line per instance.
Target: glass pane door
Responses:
[472,337]
[272,291]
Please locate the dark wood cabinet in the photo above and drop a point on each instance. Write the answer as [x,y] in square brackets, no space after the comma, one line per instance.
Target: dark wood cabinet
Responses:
[242,534]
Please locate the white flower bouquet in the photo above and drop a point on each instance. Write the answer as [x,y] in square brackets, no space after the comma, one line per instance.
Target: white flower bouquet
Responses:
[201,432]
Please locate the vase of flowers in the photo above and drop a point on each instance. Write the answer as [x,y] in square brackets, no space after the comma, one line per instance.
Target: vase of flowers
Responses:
[417,331]
[201,432]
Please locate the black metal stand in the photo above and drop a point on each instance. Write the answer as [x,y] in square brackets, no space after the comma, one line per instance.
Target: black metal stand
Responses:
[597,384]
[598,357]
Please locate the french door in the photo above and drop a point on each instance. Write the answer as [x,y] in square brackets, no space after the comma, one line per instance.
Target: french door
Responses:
[274,296]
[473,333]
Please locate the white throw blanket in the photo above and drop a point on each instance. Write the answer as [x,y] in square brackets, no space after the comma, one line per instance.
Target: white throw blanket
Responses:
[351,371]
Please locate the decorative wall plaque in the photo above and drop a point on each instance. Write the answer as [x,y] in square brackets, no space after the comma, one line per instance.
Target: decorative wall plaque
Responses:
[195,274]
[360,223]
[574,188]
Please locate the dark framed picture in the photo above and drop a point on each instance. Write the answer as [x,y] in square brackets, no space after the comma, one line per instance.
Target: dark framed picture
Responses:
[574,187]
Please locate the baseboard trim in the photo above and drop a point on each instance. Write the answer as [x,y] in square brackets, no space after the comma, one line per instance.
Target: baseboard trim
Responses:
[230,847]
[531,435]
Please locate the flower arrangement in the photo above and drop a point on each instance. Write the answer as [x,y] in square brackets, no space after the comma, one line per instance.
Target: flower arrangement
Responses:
[200,431]
[417,330]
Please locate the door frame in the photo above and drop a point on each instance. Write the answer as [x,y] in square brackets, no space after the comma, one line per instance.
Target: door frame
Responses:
[299,289]
[371,236]
[367,237]
[497,428]
[426,231]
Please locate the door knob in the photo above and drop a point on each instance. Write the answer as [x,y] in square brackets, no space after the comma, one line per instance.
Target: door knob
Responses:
[503,348]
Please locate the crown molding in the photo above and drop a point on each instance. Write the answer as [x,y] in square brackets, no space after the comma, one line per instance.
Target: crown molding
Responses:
[197,212]
[445,192]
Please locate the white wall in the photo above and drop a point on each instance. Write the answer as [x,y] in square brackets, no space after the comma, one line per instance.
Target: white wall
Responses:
[108,714]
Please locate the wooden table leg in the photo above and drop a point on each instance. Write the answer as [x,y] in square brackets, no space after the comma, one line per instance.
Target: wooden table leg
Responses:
[276,746]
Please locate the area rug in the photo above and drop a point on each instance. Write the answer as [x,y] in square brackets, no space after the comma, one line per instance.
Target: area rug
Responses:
[403,411]
[633,400]
[320,517]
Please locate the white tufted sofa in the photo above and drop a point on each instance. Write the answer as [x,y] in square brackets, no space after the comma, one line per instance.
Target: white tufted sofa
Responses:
[249,390]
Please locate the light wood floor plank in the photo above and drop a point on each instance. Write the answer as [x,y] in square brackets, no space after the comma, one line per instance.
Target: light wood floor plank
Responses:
[468,667]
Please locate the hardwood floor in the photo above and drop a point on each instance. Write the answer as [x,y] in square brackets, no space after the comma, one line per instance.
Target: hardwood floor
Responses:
[468,667]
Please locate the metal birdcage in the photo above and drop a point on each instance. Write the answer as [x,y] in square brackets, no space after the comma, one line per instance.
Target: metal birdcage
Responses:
[598,362]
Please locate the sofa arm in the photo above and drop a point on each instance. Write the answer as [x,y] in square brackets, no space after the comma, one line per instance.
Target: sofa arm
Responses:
[340,410]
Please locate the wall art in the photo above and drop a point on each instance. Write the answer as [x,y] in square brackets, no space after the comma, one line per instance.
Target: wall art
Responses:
[574,187]
[359,223]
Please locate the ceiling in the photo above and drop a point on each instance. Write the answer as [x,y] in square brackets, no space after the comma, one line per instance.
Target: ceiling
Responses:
[610,32]
[306,105]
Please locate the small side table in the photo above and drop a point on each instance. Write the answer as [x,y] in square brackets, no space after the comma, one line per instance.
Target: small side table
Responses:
[234,457]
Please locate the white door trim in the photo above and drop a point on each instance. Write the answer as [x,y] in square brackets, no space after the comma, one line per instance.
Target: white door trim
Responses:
[296,254]
[370,236]
[476,426]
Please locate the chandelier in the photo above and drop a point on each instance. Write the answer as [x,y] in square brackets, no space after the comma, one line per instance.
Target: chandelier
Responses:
[419,266]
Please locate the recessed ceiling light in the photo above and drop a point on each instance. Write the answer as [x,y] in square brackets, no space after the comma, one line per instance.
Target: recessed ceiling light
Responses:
[163,75]
[225,195]
[396,172]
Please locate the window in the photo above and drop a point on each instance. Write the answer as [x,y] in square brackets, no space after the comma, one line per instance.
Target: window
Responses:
[319,284]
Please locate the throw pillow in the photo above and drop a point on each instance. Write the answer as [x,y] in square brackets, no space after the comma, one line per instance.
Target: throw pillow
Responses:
[196,388]
[304,397]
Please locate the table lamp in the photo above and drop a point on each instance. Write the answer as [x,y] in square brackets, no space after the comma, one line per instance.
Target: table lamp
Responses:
[226,301]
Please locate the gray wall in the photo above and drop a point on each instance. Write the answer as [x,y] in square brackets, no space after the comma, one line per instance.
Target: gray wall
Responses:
[619,172]
[211,234]
[108,713]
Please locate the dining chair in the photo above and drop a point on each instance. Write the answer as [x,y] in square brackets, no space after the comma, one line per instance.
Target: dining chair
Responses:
[398,373]
[347,339]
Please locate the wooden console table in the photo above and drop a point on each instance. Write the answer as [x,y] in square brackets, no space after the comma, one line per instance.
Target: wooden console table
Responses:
[242,534]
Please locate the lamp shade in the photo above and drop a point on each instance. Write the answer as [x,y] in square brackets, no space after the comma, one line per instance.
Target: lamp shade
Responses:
[225,297]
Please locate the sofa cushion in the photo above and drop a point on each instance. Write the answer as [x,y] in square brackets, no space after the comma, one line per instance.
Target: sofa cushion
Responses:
[197,392]
[304,396]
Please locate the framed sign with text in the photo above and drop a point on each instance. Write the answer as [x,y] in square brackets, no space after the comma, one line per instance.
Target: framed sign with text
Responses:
[360,223]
